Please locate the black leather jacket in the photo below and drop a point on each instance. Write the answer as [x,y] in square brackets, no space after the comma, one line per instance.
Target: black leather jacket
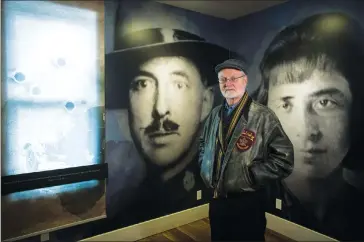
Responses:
[269,158]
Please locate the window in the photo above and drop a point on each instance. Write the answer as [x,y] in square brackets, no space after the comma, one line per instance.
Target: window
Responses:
[50,86]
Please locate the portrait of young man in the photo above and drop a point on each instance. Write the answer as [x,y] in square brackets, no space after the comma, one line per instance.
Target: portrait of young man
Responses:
[243,149]
[312,80]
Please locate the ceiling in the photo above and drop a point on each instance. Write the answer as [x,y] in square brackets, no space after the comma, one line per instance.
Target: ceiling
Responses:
[224,9]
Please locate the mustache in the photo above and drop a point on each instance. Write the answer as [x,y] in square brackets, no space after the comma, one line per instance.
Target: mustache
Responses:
[157,125]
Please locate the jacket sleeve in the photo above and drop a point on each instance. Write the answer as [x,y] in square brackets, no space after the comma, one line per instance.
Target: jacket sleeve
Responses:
[279,160]
[202,141]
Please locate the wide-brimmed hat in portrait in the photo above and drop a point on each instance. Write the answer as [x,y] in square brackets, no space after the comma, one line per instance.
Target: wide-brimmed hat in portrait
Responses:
[134,44]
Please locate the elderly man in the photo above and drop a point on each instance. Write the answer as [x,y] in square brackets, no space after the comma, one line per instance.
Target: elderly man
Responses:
[243,149]
[163,78]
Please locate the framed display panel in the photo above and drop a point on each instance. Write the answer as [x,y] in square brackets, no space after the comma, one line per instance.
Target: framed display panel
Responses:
[53,171]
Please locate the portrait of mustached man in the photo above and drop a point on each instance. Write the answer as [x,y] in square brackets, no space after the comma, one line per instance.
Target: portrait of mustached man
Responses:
[159,90]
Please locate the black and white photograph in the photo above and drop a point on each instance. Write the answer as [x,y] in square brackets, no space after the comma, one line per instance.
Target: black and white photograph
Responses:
[309,73]
[160,86]
[312,82]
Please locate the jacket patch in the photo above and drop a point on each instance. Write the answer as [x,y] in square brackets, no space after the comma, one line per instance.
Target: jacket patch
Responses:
[246,140]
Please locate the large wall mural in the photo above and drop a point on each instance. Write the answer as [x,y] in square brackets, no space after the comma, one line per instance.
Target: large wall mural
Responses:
[306,65]
[160,87]
[308,70]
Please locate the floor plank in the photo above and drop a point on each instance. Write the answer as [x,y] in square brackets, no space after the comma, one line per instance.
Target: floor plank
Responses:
[200,231]
[157,237]
[177,235]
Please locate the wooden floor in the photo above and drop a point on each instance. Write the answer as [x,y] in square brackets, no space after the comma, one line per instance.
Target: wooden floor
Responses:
[200,231]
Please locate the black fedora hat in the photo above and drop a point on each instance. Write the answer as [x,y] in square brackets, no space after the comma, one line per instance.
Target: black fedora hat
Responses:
[133,48]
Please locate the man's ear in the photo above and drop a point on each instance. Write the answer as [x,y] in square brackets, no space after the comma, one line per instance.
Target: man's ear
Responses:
[246,80]
[207,102]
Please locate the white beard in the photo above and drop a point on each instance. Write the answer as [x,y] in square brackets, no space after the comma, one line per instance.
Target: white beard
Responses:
[231,94]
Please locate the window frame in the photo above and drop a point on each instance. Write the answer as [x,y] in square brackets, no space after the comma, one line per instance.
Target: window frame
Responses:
[29,181]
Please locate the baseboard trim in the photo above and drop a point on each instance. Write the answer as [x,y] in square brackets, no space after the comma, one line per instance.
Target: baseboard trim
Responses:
[154,226]
[294,231]
[140,231]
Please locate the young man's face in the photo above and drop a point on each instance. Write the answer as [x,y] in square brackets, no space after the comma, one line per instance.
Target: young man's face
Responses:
[166,103]
[315,115]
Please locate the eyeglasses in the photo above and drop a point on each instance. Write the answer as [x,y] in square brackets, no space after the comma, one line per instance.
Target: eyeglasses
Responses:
[232,79]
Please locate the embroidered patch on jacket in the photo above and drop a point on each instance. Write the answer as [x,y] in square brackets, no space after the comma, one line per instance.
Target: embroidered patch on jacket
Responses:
[246,140]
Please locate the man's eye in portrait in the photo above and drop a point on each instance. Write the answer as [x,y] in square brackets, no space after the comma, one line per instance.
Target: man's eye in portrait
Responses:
[325,104]
[140,83]
[284,104]
[330,104]
[180,84]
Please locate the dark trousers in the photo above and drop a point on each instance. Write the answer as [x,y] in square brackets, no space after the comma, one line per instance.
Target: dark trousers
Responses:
[238,217]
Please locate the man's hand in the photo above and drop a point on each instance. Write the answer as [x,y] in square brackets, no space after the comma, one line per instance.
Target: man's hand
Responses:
[280,159]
